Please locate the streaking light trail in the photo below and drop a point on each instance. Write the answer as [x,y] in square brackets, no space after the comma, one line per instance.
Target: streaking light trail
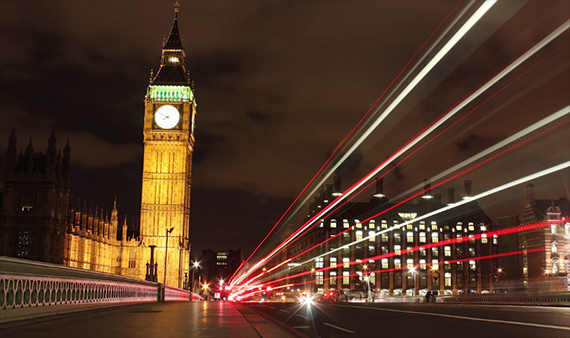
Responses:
[490,83]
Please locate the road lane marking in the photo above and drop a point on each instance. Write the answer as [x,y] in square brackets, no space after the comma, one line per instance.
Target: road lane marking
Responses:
[555,327]
[301,327]
[298,315]
[283,310]
[339,328]
[273,307]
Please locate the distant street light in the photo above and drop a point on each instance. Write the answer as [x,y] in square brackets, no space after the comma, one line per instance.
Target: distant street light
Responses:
[168,231]
[192,288]
[414,272]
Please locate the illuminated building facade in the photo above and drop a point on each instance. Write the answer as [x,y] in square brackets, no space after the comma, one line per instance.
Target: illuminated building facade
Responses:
[408,259]
[544,264]
[37,222]
[169,116]
[219,265]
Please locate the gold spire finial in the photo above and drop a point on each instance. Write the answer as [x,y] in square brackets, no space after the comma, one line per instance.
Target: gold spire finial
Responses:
[176,6]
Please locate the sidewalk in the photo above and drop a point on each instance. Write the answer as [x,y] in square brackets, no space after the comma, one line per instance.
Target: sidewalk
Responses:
[155,320]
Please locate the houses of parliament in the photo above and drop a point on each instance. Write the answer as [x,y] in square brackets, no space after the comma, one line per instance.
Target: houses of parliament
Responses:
[39,221]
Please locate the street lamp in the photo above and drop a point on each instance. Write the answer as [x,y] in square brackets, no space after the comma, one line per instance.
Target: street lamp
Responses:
[168,231]
[413,272]
[192,289]
[367,279]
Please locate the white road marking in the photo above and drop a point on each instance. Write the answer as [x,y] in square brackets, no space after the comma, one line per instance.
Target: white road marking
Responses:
[555,327]
[283,310]
[273,307]
[339,328]
[298,315]
[301,327]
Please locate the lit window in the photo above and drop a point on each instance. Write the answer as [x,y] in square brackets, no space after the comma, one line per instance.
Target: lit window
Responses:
[471,238]
[447,251]
[410,236]
[371,249]
[458,227]
[435,264]
[332,277]
[435,252]
[345,277]
[447,279]
[319,277]
[333,262]
[409,226]
[397,237]
[422,225]
[483,228]
[472,265]
[471,252]
[422,264]
[495,239]
[397,249]
[319,262]
[397,263]
[384,237]
[434,226]
[345,224]
[358,235]
[484,239]
[372,235]
[471,227]
[554,247]
[333,223]
[553,229]
[410,263]
[434,237]
[384,224]
[345,262]
[384,263]
[422,237]
[358,224]
[173,59]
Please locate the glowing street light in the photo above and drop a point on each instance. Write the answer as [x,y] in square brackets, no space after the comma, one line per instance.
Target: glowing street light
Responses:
[413,271]
[195,266]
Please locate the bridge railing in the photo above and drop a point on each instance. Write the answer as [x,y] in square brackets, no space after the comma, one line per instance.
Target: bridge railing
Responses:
[31,289]
[550,299]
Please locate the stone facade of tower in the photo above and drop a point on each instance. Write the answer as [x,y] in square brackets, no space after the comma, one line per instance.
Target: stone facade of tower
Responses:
[170,110]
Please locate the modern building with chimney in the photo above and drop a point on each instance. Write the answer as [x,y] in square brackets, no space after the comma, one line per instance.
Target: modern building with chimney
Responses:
[398,252]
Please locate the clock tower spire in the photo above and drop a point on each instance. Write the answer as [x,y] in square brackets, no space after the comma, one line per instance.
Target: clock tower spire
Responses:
[168,134]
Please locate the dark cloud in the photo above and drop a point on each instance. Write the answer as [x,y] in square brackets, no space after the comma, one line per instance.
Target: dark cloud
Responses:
[258,116]
[278,84]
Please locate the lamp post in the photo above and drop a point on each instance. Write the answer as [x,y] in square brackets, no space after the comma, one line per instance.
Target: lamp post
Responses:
[413,272]
[168,231]
[367,279]
[194,267]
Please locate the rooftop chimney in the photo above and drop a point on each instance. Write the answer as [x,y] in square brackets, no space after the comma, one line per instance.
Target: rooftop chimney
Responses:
[427,187]
[467,184]
[337,191]
[450,195]
[379,188]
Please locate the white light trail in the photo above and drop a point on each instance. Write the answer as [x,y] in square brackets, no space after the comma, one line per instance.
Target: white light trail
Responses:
[477,15]
[446,117]
[510,139]
[489,192]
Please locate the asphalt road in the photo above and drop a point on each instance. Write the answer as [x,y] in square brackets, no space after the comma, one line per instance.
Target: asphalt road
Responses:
[419,320]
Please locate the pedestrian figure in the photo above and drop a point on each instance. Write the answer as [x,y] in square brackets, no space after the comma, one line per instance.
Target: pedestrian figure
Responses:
[428,294]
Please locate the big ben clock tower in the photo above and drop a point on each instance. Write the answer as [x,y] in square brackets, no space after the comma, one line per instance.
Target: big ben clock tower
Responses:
[170,110]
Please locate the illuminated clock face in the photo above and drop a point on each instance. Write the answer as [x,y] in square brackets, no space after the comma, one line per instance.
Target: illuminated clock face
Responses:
[166,117]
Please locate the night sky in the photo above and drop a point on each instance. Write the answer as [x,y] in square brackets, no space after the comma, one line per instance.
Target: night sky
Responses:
[279,84]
